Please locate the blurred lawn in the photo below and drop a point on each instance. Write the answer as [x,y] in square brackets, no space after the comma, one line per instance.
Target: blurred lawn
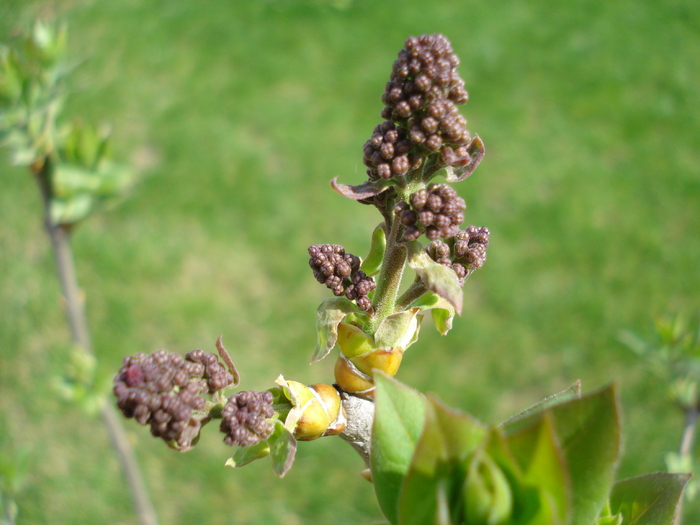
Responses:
[239,113]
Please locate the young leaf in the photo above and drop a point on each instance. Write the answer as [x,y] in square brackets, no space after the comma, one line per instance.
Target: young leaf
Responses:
[476,153]
[283,448]
[573,392]
[398,422]
[373,261]
[280,446]
[651,499]
[540,458]
[488,497]
[398,329]
[328,315]
[447,439]
[362,191]
[442,311]
[436,277]
[588,431]
[73,210]
[244,455]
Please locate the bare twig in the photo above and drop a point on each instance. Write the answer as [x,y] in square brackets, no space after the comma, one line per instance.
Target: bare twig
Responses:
[686,447]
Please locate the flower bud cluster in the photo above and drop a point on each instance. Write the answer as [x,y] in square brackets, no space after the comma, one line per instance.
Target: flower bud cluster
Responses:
[245,418]
[341,272]
[164,390]
[420,111]
[468,251]
[216,375]
[437,211]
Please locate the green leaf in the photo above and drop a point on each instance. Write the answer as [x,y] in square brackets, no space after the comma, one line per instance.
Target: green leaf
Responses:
[328,315]
[72,210]
[280,446]
[25,156]
[115,179]
[488,498]
[398,329]
[69,180]
[437,468]
[244,455]
[651,499]
[588,431]
[436,277]
[10,76]
[283,448]
[442,311]
[538,455]
[398,421]
[573,392]
[373,261]
[610,520]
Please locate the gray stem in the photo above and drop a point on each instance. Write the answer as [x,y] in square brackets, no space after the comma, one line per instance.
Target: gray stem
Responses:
[80,334]
[686,447]
[358,433]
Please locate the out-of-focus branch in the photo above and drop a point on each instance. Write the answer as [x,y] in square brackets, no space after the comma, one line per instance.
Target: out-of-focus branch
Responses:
[80,334]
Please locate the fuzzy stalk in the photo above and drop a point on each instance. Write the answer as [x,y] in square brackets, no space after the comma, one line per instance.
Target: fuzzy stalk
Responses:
[409,296]
[80,335]
[389,279]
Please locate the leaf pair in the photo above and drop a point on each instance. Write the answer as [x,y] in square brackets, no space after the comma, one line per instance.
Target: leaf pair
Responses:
[552,464]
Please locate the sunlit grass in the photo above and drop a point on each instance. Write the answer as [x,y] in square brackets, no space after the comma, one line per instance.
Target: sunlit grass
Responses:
[240,113]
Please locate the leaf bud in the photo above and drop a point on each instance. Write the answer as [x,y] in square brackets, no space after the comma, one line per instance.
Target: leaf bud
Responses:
[488,498]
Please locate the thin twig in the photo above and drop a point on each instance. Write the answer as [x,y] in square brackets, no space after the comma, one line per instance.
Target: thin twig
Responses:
[687,442]
[80,334]
[688,439]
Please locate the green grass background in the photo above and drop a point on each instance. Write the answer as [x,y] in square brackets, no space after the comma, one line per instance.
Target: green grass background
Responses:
[239,113]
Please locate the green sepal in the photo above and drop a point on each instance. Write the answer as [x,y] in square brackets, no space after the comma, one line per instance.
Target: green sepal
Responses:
[436,277]
[442,311]
[651,499]
[373,261]
[328,315]
[399,329]
[398,422]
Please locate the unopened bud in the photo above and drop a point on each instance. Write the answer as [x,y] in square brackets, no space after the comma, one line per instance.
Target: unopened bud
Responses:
[488,498]
[316,412]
